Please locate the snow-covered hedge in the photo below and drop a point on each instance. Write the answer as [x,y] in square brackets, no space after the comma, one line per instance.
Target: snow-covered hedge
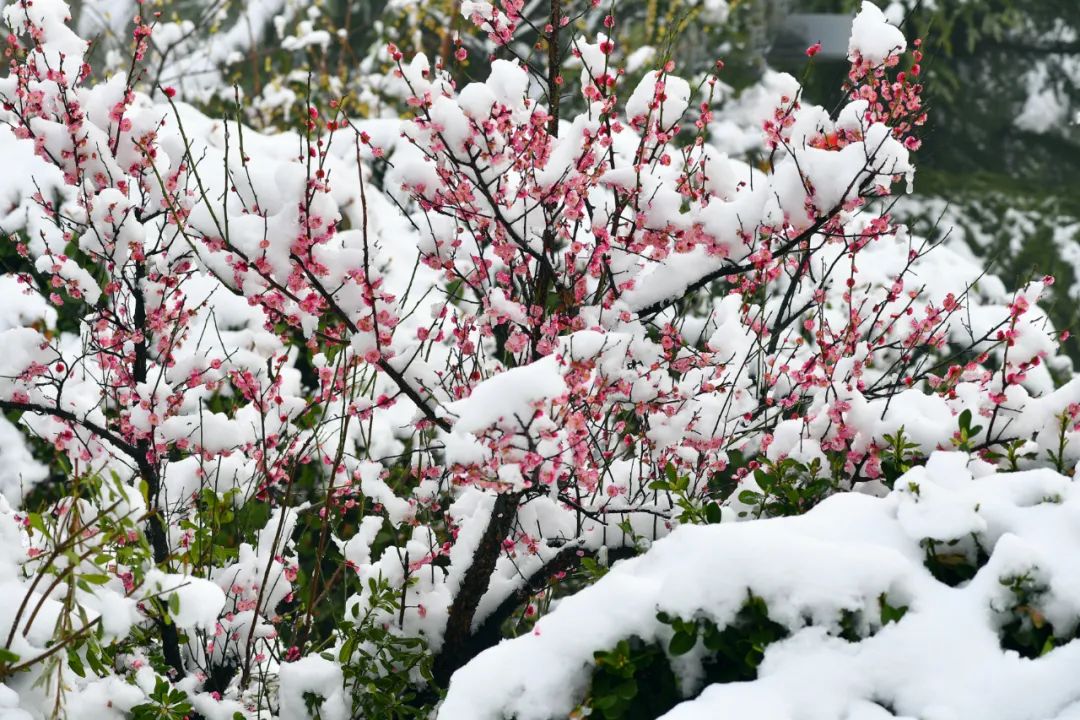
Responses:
[954,596]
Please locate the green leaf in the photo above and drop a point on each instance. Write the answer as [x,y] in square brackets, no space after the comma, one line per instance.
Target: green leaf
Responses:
[965,420]
[682,643]
[890,613]
[1047,646]
[75,663]
[36,522]
[627,690]
[749,497]
[604,702]
[93,659]
[95,578]
[713,513]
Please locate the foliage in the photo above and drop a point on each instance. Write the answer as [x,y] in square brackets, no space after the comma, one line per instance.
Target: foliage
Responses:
[1027,630]
[732,653]
[633,681]
[787,487]
[831,610]
[166,703]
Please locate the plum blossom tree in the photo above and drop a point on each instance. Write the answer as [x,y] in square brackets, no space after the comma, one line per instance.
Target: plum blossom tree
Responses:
[342,402]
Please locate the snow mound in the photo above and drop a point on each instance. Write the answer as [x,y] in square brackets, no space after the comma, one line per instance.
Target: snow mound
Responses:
[873,38]
[951,654]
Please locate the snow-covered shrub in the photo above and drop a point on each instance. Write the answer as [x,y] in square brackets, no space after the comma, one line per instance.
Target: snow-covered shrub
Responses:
[832,614]
[362,397]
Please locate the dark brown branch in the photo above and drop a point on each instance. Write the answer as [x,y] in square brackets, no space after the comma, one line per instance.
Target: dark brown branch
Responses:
[97,430]
[155,528]
[458,640]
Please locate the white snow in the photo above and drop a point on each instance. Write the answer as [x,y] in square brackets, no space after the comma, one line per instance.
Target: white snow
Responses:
[312,674]
[509,398]
[943,659]
[873,38]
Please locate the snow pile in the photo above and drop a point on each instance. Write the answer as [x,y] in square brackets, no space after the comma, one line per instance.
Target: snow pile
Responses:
[316,676]
[873,39]
[942,659]
[509,396]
